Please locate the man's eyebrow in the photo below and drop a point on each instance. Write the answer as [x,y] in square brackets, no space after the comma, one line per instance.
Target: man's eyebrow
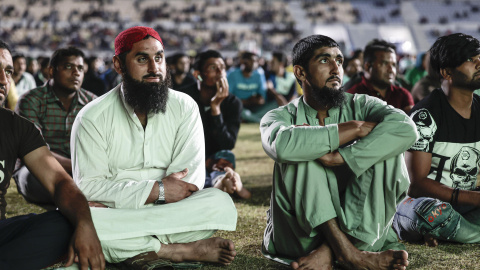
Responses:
[328,55]
[146,54]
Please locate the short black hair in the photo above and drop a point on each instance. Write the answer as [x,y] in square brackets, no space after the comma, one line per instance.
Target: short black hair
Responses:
[281,57]
[452,50]
[4,45]
[305,48]
[247,55]
[174,58]
[17,55]
[375,46]
[60,54]
[202,57]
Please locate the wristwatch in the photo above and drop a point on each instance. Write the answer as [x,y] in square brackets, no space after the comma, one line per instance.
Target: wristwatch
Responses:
[161,193]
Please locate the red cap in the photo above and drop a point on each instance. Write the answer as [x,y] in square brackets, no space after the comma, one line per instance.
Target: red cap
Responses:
[125,40]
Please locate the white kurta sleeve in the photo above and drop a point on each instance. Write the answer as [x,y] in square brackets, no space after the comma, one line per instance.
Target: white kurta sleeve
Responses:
[91,168]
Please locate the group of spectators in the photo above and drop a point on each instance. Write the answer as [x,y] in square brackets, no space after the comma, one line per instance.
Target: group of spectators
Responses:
[86,110]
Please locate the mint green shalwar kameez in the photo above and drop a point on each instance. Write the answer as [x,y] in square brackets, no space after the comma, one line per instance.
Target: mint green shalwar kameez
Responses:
[305,193]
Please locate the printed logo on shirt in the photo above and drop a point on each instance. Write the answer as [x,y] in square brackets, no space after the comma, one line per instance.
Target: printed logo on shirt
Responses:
[464,168]
[426,128]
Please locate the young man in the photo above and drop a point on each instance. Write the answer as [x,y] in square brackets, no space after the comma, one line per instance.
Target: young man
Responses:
[24,81]
[37,241]
[250,86]
[281,83]
[380,70]
[139,150]
[444,196]
[53,108]
[220,112]
[336,155]
[182,79]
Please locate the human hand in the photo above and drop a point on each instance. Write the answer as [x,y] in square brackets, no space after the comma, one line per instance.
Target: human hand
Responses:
[332,159]
[175,188]
[365,128]
[221,94]
[85,248]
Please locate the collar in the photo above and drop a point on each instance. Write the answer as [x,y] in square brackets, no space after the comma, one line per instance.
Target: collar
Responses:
[370,88]
[51,97]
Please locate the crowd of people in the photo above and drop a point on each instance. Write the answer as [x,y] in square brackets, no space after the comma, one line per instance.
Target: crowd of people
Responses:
[401,148]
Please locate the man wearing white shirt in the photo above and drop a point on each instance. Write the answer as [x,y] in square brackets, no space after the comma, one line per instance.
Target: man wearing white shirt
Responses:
[24,81]
[138,155]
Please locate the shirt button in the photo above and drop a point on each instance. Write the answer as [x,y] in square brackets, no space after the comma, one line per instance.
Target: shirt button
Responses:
[147,163]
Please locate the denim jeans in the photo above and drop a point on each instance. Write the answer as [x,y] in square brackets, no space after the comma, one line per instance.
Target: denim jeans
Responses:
[422,216]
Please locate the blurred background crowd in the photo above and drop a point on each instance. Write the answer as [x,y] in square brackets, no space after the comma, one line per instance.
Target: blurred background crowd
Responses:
[36,28]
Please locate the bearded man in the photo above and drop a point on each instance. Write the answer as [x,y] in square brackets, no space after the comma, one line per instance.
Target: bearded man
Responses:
[339,170]
[138,155]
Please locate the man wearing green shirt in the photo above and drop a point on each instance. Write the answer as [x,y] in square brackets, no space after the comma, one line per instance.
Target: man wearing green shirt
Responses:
[339,170]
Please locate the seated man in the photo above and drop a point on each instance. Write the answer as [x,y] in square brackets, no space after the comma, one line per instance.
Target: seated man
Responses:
[24,81]
[220,113]
[139,150]
[37,241]
[444,196]
[53,108]
[336,155]
[378,80]
[249,85]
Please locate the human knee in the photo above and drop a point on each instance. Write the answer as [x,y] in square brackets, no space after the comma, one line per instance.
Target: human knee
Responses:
[437,218]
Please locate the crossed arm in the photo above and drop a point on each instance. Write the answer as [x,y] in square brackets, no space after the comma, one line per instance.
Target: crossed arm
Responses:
[418,165]
[84,246]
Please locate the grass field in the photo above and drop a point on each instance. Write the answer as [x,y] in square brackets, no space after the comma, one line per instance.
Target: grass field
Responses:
[255,169]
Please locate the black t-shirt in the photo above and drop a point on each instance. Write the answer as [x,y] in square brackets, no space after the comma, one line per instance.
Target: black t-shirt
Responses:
[453,140]
[220,131]
[18,137]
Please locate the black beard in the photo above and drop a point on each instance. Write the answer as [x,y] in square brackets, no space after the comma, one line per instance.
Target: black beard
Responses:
[146,97]
[328,97]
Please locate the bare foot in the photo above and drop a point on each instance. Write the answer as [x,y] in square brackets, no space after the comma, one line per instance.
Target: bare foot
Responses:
[390,259]
[430,241]
[227,183]
[215,250]
[320,258]
[242,192]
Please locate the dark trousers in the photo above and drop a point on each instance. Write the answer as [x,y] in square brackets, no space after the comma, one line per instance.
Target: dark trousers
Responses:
[32,242]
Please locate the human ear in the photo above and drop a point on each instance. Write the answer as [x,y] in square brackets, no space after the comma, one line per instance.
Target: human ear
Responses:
[117,65]
[299,72]
[446,73]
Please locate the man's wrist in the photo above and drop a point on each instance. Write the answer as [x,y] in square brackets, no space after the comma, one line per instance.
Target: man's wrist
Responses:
[161,193]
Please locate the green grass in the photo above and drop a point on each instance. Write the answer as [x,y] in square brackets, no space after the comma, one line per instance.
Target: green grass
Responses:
[255,168]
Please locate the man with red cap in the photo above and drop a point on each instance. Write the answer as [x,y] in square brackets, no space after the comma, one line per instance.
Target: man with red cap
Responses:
[138,155]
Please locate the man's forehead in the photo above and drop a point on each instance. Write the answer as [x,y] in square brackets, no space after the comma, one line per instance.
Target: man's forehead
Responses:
[332,51]
[6,56]
[214,60]
[146,46]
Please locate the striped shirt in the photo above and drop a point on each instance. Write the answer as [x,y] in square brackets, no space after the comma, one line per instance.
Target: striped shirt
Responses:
[44,109]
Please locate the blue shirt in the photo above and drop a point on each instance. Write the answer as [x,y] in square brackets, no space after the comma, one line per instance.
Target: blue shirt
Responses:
[243,88]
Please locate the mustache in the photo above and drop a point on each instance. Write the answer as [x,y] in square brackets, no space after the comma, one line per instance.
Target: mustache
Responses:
[334,77]
[153,75]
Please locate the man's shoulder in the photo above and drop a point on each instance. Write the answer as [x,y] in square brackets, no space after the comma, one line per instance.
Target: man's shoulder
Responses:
[106,104]
[86,95]
[359,87]
[177,98]
[400,90]
[38,94]
[29,77]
